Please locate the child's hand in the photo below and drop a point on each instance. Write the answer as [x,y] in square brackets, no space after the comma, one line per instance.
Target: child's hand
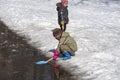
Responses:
[56,53]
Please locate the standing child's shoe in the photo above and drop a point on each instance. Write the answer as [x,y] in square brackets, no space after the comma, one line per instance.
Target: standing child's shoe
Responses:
[66,56]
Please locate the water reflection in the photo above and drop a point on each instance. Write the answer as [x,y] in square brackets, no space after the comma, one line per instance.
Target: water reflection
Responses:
[21,67]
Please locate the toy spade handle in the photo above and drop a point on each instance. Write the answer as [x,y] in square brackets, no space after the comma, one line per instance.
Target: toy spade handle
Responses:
[49,59]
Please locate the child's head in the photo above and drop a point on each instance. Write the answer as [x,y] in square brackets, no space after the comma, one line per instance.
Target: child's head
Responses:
[64,2]
[57,33]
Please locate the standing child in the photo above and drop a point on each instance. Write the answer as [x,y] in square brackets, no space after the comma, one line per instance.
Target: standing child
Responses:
[62,14]
[67,45]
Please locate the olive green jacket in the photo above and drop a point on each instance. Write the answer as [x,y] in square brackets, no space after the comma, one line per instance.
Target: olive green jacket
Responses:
[67,43]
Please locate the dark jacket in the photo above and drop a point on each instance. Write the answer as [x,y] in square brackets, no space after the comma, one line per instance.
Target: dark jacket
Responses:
[62,13]
[67,43]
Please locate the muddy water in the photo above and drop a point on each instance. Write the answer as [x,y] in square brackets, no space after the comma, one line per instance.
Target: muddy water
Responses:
[17,60]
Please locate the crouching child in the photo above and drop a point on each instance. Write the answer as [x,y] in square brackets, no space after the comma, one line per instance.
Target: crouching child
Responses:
[67,45]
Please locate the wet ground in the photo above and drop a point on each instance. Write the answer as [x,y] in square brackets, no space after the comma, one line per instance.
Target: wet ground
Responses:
[17,60]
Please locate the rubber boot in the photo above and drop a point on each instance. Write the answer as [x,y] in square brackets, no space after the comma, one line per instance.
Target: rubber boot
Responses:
[66,56]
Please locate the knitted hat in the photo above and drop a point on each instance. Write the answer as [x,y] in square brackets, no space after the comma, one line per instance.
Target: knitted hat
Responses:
[63,1]
[56,32]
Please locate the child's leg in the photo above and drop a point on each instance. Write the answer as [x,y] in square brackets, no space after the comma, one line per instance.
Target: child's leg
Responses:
[65,51]
[63,27]
[65,48]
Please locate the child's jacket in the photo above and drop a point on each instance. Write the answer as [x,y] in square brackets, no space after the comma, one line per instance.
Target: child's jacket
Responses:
[67,41]
[62,13]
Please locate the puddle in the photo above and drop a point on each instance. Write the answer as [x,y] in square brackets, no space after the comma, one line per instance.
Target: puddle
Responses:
[17,60]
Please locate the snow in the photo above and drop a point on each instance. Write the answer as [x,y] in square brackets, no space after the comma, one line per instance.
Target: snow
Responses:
[94,24]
